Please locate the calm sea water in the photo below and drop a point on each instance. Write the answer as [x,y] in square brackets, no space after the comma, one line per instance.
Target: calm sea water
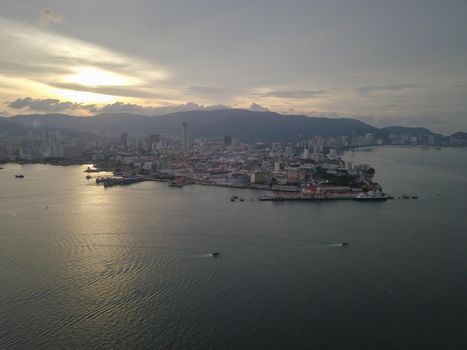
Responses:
[129,267]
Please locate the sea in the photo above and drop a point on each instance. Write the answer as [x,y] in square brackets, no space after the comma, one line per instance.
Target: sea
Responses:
[131,267]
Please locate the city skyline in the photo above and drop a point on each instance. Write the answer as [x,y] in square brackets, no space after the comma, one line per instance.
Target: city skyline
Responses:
[392,63]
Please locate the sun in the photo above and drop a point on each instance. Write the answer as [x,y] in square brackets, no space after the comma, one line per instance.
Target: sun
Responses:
[84,96]
[93,77]
[88,77]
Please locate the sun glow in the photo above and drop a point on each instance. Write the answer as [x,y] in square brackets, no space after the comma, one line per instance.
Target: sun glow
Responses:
[93,77]
[84,96]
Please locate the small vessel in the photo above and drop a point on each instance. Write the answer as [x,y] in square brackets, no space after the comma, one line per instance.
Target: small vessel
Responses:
[372,196]
[19,176]
[405,197]
[175,184]
[88,177]
[414,197]
[233,198]
[345,244]
[241,199]
[90,170]
[101,179]
[216,254]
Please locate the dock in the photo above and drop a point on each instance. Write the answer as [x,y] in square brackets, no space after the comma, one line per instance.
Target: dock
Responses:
[360,198]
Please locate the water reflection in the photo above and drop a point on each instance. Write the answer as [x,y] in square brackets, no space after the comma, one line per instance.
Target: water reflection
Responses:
[130,266]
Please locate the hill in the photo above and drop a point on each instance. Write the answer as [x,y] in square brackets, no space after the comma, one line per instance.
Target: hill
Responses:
[245,124]
[460,135]
[404,130]
[11,127]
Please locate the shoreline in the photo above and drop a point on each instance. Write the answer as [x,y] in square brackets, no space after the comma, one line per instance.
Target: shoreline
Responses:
[71,161]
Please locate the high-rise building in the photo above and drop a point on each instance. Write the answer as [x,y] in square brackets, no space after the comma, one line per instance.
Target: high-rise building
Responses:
[185,137]
[124,140]
[153,141]
[154,138]
[50,146]
[277,166]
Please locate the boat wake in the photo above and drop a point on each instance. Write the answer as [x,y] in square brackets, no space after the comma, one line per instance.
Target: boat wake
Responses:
[203,256]
[12,212]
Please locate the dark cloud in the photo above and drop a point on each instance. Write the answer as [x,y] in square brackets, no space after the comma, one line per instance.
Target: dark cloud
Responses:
[48,16]
[49,105]
[254,107]
[55,105]
[36,70]
[367,90]
[292,93]
[123,91]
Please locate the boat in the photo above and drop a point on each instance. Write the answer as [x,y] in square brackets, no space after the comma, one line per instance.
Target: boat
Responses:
[109,182]
[175,184]
[233,198]
[405,197]
[216,254]
[101,179]
[90,170]
[345,244]
[241,199]
[372,196]
[414,197]
[88,177]
[19,176]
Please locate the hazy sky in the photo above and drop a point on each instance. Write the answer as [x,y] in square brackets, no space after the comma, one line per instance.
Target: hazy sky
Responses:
[386,62]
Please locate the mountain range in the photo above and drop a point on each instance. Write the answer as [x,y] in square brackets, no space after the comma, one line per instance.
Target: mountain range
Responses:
[244,124]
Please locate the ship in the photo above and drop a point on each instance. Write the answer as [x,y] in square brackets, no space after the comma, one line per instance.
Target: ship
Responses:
[19,176]
[109,182]
[372,196]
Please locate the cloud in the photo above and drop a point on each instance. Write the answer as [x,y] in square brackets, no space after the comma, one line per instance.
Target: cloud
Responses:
[61,62]
[254,107]
[49,105]
[48,16]
[202,90]
[367,90]
[122,91]
[292,93]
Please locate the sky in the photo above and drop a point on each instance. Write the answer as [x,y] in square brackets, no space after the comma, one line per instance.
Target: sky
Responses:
[384,62]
